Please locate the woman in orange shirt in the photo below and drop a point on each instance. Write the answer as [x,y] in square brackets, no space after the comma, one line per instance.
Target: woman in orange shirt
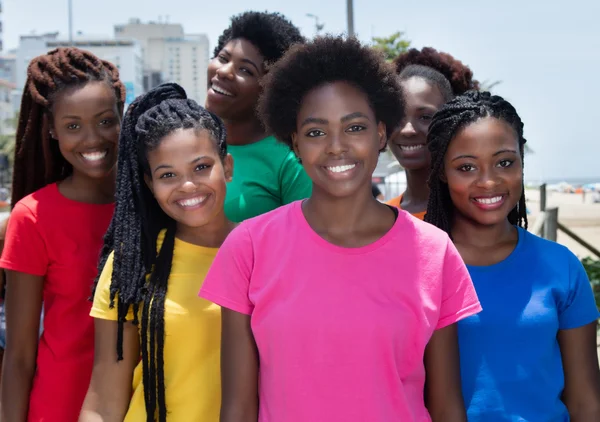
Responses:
[429,79]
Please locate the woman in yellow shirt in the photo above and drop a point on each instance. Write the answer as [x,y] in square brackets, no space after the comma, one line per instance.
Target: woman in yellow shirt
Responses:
[168,224]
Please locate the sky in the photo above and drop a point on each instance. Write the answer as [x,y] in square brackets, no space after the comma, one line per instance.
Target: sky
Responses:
[546,53]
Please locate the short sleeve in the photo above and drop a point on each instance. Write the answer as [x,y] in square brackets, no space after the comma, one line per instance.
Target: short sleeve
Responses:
[101,307]
[24,247]
[295,183]
[228,280]
[459,299]
[578,306]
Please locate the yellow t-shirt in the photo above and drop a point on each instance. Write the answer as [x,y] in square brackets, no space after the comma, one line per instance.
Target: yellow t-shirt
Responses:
[192,339]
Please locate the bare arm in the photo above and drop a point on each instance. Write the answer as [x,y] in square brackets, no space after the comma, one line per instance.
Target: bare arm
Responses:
[23,308]
[239,369]
[443,395]
[109,394]
[582,376]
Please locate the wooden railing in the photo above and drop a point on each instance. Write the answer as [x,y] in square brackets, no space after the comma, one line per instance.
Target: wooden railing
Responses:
[547,225]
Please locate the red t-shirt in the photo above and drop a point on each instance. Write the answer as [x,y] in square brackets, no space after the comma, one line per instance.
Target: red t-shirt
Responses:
[58,238]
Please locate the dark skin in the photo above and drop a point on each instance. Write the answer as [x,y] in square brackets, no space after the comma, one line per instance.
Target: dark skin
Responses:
[185,165]
[234,77]
[86,122]
[337,127]
[483,161]
[423,99]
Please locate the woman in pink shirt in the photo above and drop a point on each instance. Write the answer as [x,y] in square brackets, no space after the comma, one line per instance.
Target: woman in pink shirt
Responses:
[340,305]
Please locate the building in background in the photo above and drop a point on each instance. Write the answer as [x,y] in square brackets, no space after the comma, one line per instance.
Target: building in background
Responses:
[170,55]
[7,112]
[8,67]
[126,54]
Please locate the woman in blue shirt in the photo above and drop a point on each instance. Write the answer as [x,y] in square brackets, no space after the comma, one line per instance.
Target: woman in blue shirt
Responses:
[530,355]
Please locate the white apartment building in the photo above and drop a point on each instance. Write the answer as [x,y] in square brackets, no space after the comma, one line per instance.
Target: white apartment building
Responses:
[170,55]
[6,107]
[123,53]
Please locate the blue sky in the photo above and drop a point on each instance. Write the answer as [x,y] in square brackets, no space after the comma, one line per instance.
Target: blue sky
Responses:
[546,53]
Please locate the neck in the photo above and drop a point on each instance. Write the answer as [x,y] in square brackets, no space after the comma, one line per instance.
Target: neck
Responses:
[468,232]
[210,235]
[81,188]
[339,216]
[244,132]
[417,190]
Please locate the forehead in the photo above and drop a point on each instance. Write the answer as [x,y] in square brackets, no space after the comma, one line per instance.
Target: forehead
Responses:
[242,48]
[486,135]
[333,101]
[419,92]
[184,144]
[82,99]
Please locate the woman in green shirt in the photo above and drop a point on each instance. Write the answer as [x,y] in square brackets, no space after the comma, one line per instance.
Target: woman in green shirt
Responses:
[267,173]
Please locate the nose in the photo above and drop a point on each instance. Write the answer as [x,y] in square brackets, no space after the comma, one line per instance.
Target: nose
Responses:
[488,179]
[188,185]
[336,145]
[407,129]
[225,70]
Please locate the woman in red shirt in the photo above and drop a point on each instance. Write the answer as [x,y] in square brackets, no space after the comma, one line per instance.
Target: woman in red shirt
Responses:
[63,199]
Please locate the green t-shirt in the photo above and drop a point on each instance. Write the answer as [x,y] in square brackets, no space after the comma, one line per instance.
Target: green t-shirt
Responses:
[266,175]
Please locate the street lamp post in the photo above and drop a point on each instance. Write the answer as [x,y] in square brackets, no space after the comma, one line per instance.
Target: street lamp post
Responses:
[318,26]
[71,22]
[350,14]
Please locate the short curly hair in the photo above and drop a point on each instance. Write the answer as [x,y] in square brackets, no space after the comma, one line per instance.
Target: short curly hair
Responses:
[271,33]
[459,75]
[326,60]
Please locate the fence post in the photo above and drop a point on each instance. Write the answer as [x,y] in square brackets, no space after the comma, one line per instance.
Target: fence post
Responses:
[543,197]
[551,224]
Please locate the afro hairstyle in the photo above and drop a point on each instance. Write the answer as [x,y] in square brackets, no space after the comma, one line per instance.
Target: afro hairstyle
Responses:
[271,33]
[326,60]
[459,75]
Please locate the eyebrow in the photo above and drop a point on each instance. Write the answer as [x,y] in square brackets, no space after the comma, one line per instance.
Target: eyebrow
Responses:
[319,121]
[495,154]
[167,166]
[70,116]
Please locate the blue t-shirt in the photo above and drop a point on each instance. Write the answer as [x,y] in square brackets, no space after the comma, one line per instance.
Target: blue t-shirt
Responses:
[510,359]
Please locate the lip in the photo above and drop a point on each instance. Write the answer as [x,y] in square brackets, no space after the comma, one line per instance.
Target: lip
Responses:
[204,199]
[220,89]
[410,149]
[340,170]
[500,199]
[100,160]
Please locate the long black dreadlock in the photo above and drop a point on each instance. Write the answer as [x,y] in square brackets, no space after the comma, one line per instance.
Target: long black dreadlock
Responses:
[447,122]
[140,276]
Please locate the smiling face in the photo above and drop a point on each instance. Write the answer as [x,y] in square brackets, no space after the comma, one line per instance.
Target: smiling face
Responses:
[86,121]
[338,139]
[188,177]
[484,171]
[407,143]
[234,80]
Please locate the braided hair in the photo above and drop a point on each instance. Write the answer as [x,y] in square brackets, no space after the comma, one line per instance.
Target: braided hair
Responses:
[140,274]
[459,75]
[447,122]
[38,161]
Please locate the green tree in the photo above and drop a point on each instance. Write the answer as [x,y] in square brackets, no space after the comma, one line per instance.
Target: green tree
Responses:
[391,46]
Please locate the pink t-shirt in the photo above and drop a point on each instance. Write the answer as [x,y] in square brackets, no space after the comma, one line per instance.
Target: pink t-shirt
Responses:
[341,332]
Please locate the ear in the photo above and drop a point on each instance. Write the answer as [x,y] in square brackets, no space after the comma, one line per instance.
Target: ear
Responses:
[228,167]
[382,134]
[148,181]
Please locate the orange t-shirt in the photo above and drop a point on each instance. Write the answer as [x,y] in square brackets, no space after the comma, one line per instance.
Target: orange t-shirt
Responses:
[395,202]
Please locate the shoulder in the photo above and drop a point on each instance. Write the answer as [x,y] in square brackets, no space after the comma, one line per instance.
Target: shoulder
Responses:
[394,202]
[35,202]
[426,235]
[272,222]
[543,247]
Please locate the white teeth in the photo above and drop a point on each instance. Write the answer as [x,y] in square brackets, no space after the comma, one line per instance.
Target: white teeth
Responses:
[411,147]
[340,169]
[221,91]
[489,201]
[94,156]
[192,202]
